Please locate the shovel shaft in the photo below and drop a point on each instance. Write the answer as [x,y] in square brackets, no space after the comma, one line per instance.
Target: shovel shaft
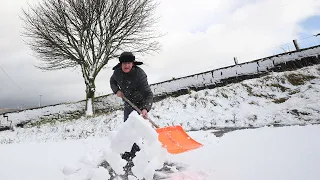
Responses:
[137,109]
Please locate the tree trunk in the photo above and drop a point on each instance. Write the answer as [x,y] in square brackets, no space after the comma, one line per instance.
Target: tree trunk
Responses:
[90,92]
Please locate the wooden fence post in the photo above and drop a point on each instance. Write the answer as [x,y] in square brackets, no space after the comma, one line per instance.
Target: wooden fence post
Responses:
[235,60]
[296,44]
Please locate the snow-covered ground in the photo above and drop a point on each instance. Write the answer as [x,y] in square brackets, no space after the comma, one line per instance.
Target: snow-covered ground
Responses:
[286,153]
[74,149]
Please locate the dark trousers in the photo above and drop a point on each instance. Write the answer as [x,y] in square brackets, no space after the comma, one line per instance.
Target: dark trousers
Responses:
[127,110]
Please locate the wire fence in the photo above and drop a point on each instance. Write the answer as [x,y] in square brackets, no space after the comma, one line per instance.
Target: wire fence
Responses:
[262,52]
[309,41]
[302,43]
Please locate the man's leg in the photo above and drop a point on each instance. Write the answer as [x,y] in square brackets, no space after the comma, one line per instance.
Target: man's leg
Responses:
[127,110]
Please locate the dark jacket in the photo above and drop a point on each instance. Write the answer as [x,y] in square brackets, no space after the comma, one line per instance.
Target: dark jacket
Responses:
[134,86]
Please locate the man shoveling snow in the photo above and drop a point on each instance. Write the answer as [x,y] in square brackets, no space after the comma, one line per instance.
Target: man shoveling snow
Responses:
[130,81]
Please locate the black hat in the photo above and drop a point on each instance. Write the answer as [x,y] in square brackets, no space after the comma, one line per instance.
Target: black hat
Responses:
[127,57]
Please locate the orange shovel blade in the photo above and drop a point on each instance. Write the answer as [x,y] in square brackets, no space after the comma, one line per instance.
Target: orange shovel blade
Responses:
[176,140]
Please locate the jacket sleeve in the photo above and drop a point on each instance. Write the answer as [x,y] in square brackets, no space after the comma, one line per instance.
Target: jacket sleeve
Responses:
[113,84]
[145,90]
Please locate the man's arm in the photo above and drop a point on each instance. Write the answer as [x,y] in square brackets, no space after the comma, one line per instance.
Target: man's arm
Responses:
[113,84]
[146,92]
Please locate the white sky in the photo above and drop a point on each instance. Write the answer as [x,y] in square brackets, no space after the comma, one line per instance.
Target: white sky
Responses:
[200,35]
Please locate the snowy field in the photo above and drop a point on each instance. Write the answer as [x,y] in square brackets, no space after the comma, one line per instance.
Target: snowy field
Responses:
[286,153]
[74,150]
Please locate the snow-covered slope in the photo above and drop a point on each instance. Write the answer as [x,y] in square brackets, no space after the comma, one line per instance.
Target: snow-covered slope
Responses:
[284,98]
[211,78]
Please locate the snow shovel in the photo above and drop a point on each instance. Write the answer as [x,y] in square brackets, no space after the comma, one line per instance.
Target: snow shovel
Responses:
[173,138]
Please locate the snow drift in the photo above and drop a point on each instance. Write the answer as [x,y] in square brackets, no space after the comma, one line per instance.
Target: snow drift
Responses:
[150,157]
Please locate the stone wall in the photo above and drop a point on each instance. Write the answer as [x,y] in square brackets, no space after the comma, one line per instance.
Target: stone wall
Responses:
[285,66]
[57,112]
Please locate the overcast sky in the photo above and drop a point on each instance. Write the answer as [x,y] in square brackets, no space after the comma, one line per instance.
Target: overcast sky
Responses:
[200,35]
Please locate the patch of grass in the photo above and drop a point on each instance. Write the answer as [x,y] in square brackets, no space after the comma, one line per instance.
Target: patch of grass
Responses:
[42,122]
[298,113]
[175,94]
[224,95]
[249,89]
[157,116]
[251,93]
[253,118]
[213,102]
[280,100]
[195,96]
[263,95]
[62,118]
[283,80]
[253,103]
[299,79]
[206,93]
[282,88]
[294,91]
[266,78]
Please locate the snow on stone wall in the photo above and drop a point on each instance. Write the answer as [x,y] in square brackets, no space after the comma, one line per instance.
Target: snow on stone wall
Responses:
[215,76]
[110,102]
[60,111]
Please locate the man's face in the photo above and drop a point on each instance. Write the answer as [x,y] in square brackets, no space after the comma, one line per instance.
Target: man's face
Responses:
[126,66]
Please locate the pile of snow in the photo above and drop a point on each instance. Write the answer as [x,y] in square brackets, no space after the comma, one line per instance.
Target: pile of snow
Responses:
[135,130]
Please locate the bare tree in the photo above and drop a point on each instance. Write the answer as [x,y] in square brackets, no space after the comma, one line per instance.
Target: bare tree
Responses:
[86,34]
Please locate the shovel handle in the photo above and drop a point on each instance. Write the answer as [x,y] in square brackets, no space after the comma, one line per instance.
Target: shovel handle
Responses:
[137,109]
